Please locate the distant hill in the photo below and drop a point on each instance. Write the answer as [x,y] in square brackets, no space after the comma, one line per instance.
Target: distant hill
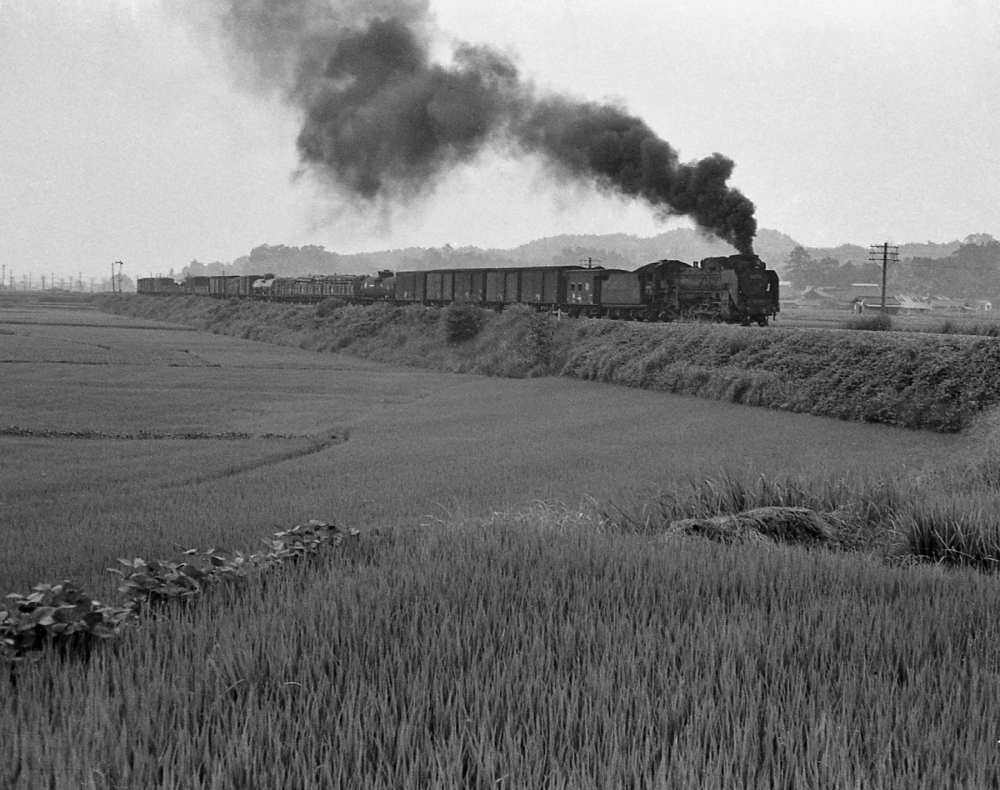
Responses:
[853,253]
[613,250]
[682,244]
[928,250]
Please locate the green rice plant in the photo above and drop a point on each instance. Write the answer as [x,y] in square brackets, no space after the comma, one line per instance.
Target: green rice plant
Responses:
[952,531]
[520,651]
[974,471]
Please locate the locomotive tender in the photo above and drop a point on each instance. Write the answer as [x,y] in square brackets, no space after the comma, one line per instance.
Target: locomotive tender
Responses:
[733,289]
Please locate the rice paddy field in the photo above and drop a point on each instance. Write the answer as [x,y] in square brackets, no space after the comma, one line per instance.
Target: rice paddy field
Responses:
[514,614]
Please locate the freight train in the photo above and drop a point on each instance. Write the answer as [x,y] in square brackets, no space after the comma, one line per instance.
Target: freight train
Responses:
[733,289]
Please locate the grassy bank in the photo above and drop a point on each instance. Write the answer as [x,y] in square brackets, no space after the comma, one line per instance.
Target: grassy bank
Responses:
[906,379]
[913,380]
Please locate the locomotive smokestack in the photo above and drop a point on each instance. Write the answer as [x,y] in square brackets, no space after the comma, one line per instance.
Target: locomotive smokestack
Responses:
[382,121]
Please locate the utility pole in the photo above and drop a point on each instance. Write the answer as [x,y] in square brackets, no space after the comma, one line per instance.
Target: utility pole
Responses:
[589,261]
[886,254]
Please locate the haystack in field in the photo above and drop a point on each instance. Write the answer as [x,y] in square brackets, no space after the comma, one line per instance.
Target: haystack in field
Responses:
[763,525]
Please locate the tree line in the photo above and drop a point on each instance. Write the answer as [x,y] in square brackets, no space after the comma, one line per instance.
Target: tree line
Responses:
[284,261]
[972,271]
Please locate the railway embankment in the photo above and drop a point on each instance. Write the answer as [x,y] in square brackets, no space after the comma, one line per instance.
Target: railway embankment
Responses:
[913,380]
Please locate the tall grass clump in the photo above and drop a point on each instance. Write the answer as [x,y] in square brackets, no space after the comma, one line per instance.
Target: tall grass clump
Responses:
[964,326]
[520,651]
[330,306]
[517,343]
[945,513]
[856,508]
[953,531]
[874,322]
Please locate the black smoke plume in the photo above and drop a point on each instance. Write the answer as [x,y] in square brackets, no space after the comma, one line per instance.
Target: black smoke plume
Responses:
[382,120]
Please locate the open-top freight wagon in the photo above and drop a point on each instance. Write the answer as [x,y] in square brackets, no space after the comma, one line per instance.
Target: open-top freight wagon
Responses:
[234,286]
[736,289]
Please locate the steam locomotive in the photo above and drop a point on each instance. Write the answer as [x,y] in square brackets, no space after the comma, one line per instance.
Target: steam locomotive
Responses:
[733,289]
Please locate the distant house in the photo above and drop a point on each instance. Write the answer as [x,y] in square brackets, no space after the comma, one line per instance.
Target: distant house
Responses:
[894,304]
[946,303]
[960,305]
[913,304]
[872,292]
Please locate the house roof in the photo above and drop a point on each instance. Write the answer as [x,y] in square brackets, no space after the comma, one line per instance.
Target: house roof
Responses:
[895,300]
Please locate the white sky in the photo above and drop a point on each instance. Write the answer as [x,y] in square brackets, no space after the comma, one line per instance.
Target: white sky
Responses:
[123,136]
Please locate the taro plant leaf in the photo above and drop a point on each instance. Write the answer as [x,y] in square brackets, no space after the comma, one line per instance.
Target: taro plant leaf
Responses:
[64,609]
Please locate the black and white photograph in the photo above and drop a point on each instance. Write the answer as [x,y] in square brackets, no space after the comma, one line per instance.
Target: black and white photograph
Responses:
[562,394]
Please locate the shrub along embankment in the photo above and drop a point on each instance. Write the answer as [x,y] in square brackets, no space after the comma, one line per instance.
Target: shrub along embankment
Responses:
[905,379]
[462,339]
